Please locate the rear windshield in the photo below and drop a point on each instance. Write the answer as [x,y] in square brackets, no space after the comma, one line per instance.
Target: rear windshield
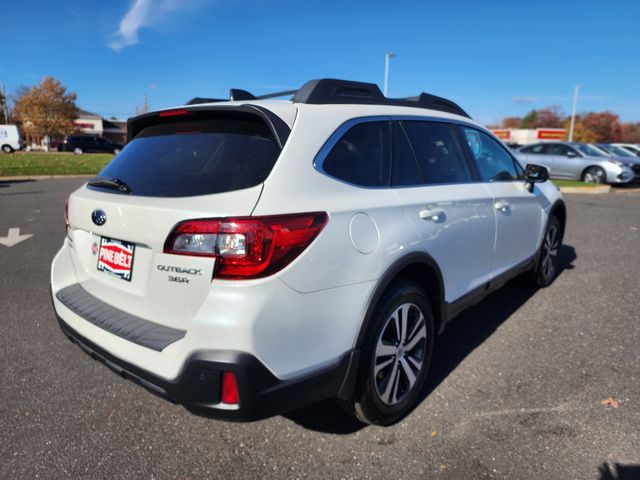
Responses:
[196,157]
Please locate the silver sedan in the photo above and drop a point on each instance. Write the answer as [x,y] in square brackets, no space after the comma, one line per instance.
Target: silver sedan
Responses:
[576,161]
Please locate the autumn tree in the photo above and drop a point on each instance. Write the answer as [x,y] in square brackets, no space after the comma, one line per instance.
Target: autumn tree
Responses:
[47,109]
[631,132]
[511,122]
[550,117]
[600,127]
[580,133]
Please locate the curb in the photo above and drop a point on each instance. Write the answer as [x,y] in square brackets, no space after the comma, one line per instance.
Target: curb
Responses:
[587,190]
[42,177]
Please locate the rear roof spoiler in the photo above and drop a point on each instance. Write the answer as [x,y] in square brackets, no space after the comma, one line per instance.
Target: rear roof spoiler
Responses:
[278,127]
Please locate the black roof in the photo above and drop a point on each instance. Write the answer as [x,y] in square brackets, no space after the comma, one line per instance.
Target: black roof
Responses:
[333,91]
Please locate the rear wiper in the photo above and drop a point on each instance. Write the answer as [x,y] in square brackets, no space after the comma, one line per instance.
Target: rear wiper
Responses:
[112,183]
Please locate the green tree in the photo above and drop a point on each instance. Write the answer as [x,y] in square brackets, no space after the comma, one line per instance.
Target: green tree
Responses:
[529,120]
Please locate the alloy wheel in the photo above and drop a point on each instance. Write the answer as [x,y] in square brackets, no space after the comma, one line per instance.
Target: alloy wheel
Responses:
[550,249]
[594,175]
[400,353]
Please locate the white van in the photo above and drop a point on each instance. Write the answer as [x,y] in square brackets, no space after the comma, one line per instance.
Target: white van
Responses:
[10,139]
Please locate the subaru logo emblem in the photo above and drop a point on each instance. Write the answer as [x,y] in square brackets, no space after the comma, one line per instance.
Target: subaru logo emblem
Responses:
[99,217]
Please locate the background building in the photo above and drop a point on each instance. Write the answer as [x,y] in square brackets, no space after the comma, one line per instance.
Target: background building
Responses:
[523,136]
[115,130]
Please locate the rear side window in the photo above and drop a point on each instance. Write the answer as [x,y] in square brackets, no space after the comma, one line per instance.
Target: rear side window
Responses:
[439,155]
[405,170]
[361,156]
[196,157]
[494,163]
[560,149]
[539,149]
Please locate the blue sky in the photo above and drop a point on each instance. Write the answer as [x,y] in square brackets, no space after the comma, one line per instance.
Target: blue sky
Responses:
[494,58]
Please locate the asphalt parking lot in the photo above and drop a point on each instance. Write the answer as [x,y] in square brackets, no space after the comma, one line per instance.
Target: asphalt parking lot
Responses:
[515,392]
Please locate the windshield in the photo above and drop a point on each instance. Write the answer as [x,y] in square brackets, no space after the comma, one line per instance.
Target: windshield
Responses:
[589,150]
[619,151]
[196,157]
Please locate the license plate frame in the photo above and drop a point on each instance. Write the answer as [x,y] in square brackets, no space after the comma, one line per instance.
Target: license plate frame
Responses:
[115,258]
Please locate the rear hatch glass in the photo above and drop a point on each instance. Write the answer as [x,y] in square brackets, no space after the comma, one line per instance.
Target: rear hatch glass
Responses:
[218,153]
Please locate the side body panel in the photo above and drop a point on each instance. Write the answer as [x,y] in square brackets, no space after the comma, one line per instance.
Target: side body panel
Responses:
[520,221]
[461,238]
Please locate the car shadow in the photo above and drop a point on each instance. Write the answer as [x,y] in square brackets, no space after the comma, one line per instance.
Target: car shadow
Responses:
[619,472]
[473,326]
[7,183]
[461,336]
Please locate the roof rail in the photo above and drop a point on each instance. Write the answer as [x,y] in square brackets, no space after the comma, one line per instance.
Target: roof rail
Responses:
[329,90]
[333,91]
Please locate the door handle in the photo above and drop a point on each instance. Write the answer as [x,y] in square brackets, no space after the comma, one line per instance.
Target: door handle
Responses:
[502,206]
[432,214]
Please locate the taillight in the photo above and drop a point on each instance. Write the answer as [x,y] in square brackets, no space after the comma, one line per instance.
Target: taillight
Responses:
[247,247]
[66,213]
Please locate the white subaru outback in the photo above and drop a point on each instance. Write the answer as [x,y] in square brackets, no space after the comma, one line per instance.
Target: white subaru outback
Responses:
[248,257]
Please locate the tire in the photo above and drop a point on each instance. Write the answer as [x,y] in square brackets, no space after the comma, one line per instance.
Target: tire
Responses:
[393,366]
[594,175]
[7,149]
[546,269]
[77,151]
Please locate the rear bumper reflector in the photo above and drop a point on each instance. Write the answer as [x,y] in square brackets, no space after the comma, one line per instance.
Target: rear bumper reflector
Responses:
[135,329]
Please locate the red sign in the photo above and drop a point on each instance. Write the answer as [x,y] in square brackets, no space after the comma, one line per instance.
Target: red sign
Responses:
[502,134]
[552,134]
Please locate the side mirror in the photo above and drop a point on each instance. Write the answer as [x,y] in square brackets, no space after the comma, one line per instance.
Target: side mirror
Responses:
[535,174]
[571,154]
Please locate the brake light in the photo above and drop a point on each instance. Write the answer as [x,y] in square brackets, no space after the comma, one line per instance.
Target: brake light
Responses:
[229,391]
[173,113]
[247,247]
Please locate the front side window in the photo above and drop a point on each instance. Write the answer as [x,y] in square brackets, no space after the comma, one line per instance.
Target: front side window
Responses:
[362,156]
[494,163]
[439,155]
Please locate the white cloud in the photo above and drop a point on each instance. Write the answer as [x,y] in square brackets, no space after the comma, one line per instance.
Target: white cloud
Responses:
[143,13]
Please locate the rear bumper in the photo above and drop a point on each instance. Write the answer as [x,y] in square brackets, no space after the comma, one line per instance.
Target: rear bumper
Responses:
[197,387]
